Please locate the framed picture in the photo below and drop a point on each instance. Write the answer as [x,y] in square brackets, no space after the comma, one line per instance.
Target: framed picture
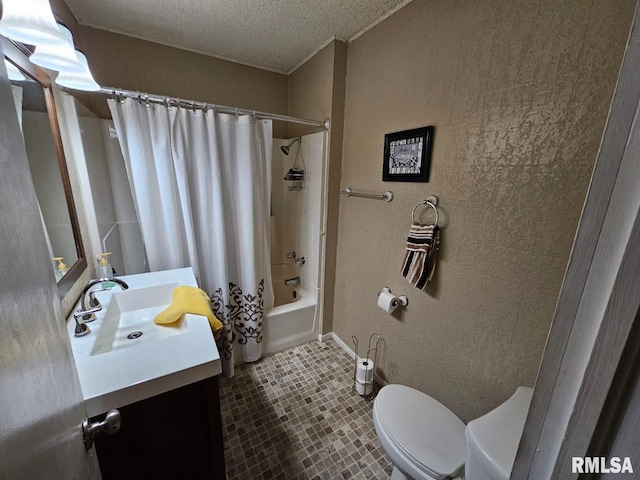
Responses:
[407,155]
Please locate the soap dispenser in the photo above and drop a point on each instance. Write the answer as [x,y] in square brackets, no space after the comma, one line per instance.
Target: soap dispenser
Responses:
[104,267]
[62,268]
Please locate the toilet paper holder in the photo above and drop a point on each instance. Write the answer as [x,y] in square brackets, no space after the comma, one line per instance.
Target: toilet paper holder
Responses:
[368,388]
[402,299]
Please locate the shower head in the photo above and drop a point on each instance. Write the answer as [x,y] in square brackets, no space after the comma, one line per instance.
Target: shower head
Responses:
[285,148]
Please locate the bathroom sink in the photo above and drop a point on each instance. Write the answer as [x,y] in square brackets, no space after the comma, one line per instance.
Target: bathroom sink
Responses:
[115,370]
[128,320]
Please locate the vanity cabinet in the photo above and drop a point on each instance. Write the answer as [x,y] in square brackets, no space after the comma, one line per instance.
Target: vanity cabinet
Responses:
[174,435]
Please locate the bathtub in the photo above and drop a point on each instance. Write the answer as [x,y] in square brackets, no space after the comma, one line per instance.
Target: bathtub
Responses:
[292,320]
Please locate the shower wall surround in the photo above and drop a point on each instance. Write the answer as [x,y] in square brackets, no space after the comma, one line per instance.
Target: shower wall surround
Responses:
[296,215]
[518,92]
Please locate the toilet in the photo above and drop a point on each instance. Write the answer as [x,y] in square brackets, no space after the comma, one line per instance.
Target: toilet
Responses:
[426,441]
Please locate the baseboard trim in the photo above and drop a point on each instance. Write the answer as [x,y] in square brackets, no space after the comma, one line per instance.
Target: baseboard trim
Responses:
[325,337]
[343,345]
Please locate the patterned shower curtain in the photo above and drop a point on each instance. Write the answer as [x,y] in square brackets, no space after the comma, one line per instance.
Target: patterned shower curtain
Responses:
[201,185]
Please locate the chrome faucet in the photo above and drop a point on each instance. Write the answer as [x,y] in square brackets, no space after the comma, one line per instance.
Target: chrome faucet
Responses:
[93,301]
[94,304]
[300,260]
[292,281]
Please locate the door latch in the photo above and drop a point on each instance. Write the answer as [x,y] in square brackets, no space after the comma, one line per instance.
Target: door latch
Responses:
[110,425]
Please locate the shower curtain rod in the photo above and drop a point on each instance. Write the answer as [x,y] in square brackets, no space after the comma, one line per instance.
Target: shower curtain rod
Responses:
[165,100]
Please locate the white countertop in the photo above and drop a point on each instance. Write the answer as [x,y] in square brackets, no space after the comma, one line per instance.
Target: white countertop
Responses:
[124,376]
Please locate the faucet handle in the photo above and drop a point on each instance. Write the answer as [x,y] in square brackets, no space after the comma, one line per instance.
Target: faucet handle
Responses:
[291,255]
[89,314]
[79,315]
[82,328]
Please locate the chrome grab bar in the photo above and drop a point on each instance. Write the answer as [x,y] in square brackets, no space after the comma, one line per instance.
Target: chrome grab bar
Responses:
[349,192]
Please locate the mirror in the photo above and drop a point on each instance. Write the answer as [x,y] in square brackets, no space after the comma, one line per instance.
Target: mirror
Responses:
[35,107]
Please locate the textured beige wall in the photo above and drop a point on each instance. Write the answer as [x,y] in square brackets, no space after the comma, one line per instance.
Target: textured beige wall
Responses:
[126,62]
[316,90]
[311,90]
[333,184]
[518,92]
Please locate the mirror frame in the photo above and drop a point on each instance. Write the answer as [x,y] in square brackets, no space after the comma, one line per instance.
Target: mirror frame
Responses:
[18,55]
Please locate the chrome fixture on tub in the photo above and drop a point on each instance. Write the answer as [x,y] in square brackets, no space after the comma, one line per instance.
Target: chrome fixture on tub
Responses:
[89,315]
[286,148]
[298,260]
[292,281]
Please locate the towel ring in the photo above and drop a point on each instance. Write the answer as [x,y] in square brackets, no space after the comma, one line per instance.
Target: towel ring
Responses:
[431,201]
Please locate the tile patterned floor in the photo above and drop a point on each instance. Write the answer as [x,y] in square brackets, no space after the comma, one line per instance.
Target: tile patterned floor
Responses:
[293,415]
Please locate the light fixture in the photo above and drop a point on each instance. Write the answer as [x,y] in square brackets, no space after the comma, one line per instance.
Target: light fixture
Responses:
[79,81]
[30,22]
[14,72]
[58,57]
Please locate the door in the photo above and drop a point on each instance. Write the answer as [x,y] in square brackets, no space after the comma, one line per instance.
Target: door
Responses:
[41,405]
[570,416]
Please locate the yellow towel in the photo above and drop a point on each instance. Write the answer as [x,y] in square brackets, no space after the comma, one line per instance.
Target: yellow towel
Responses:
[189,300]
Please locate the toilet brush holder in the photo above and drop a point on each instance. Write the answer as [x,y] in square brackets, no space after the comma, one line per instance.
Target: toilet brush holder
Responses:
[364,369]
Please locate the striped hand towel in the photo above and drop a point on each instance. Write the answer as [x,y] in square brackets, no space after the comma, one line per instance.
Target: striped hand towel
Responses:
[419,260]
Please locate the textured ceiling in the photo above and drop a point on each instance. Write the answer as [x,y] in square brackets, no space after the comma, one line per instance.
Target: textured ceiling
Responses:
[273,34]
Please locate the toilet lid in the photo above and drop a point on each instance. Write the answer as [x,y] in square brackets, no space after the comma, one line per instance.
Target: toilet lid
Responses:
[424,429]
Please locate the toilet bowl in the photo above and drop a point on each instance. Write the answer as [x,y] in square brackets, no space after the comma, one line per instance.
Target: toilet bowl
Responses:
[426,441]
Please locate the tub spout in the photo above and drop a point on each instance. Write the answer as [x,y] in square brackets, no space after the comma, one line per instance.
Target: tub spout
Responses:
[292,281]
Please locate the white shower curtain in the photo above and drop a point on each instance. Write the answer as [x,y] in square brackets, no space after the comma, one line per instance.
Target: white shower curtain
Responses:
[201,185]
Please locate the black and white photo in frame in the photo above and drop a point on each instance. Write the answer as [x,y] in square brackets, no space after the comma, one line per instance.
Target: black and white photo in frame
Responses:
[407,155]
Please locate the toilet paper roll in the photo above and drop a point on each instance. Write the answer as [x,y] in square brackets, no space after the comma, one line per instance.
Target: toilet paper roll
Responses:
[387,302]
[364,388]
[364,372]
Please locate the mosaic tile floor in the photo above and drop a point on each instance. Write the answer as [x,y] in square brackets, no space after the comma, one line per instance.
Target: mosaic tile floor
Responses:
[293,415]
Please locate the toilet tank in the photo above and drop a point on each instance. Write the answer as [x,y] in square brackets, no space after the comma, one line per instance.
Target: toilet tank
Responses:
[492,440]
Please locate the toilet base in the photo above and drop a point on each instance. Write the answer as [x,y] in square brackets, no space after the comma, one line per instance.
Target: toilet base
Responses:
[398,475]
